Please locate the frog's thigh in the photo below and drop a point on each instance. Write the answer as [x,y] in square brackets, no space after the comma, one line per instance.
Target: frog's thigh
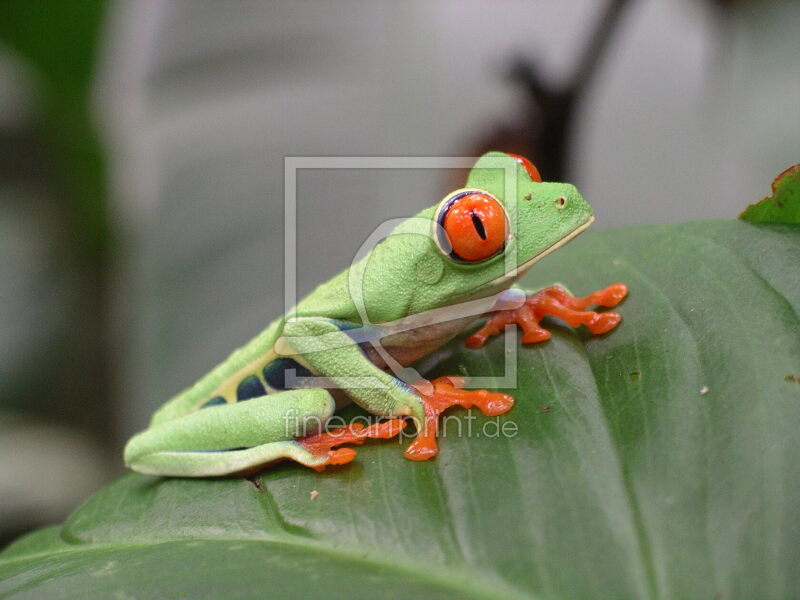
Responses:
[220,440]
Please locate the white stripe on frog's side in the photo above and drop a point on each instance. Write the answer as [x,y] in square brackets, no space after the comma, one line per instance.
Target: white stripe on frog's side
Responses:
[413,337]
[409,344]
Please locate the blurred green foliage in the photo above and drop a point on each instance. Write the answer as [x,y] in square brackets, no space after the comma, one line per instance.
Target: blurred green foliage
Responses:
[58,40]
[53,186]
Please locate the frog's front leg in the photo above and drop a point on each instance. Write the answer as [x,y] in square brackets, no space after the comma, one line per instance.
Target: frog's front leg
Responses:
[554,301]
[441,394]
[334,354]
[246,435]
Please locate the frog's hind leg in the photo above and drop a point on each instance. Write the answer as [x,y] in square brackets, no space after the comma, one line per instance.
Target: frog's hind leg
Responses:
[215,463]
[243,436]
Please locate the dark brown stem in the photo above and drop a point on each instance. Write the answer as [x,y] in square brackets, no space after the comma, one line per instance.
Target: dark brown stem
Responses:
[552,110]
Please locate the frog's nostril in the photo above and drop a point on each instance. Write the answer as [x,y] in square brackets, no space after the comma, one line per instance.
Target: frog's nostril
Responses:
[560,202]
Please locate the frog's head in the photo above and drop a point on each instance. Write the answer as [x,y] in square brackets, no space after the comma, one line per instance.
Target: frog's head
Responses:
[477,241]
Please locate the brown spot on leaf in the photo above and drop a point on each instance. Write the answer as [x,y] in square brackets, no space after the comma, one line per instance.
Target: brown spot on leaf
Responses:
[255,482]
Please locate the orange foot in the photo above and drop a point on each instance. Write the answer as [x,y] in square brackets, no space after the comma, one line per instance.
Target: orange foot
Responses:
[555,302]
[322,443]
[441,394]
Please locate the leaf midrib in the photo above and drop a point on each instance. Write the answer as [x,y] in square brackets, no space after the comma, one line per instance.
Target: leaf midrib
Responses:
[459,581]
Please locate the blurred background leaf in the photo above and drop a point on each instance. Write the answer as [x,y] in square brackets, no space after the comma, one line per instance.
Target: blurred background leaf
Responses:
[783,205]
[55,252]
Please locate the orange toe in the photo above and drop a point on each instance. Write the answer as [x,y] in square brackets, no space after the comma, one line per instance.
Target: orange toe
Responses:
[341,456]
[422,449]
[613,294]
[533,337]
[604,322]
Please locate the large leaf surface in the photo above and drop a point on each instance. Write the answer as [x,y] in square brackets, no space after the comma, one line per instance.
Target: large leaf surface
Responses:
[658,461]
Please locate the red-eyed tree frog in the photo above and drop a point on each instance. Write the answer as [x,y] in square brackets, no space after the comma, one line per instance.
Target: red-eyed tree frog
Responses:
[354,337]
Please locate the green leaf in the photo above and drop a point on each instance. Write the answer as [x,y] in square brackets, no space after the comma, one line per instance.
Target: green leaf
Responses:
[783,206]
[657,461]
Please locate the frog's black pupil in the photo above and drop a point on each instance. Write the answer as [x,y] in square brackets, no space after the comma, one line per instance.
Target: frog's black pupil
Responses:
[476,221]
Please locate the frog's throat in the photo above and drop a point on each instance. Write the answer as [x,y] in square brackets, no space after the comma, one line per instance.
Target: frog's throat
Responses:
[521,269]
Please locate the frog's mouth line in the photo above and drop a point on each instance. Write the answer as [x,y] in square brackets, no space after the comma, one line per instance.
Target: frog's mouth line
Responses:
[487,289]
[520,270]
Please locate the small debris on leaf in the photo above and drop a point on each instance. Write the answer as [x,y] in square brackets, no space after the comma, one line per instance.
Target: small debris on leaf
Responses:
[545,409]
[704,390]
[795,378]
[255,482]
[313,494]
[634,375]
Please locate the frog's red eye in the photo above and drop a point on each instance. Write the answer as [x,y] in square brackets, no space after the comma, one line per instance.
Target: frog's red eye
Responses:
[532,171]
[474,224]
